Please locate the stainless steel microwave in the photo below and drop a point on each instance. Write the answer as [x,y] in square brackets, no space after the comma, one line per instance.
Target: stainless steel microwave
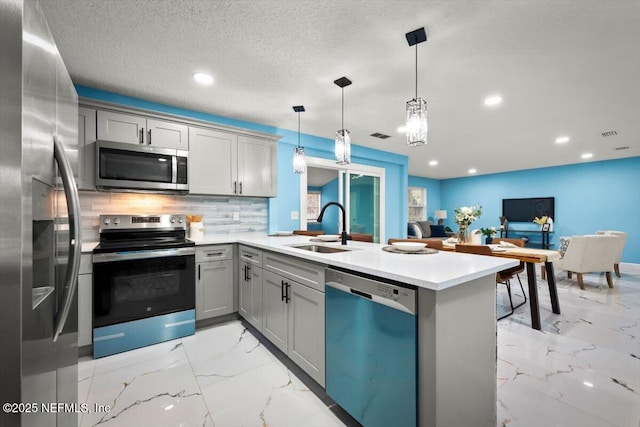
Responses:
[129,167]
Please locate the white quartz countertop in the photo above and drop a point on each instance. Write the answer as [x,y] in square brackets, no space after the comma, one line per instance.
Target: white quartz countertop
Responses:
[431,271]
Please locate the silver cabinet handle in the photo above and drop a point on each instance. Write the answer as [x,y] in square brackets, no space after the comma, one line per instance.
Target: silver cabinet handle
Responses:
[75,235]
[149,136]
[141,137]
[214,254]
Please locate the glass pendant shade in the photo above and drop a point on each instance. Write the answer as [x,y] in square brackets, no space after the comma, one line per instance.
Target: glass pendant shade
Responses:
[299,162]
[416,126]
[343,147]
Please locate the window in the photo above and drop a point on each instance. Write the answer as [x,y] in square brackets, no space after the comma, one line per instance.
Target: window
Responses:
[417,201]
[314,202]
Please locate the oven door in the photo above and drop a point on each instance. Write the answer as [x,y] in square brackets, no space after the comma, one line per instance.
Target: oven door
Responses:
[132,285]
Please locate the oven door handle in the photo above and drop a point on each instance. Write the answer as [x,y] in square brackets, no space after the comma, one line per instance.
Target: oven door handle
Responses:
[131,255]
[75,237]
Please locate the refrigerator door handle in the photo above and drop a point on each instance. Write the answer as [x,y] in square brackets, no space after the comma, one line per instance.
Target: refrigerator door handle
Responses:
[75,238]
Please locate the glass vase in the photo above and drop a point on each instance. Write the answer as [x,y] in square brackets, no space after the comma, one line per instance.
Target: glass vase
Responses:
[463,235]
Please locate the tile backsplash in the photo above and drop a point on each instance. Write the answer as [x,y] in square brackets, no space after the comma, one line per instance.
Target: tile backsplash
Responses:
[217,211]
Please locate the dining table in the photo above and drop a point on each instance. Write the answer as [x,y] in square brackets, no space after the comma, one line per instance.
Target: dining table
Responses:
[531,257]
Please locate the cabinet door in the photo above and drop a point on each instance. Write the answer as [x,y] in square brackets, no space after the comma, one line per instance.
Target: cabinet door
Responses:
[256,317]
[256,167]
[275,310]
[244,283]
[85,309]
[121,127]
[167,134]
[87,148]
[306,330]
[213,159]
[214,289]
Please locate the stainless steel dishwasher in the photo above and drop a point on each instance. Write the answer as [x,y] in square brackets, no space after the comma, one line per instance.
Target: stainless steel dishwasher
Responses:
[371,358]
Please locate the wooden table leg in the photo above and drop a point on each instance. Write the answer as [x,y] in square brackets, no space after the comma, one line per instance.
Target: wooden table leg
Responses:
[553,290]
[533,295]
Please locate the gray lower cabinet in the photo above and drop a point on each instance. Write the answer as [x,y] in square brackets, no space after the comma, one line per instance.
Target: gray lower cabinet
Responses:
[85,301]
[250,283]
[214,281]
[294,312]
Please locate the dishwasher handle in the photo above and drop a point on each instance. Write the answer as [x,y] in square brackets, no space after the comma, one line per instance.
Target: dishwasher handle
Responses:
[375,298]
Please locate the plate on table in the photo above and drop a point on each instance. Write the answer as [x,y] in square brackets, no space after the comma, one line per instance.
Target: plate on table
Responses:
[498,249]
[408,246]
[328,237]
[284,233]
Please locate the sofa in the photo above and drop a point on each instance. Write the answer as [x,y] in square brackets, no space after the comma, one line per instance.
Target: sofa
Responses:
[427,230]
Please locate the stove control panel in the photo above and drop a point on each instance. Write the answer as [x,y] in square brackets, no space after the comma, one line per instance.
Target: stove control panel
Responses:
[136,222]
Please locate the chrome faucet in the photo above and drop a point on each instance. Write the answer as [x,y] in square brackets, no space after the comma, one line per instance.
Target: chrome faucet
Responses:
[343,235]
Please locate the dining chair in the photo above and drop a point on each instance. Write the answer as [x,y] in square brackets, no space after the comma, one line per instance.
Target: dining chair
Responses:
[431,243]
[360,237]
[503,276]
[308,232]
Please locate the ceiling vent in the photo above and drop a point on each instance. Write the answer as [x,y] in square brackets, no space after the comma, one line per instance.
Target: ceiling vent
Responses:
[380,135]
[621,148]
[609,133]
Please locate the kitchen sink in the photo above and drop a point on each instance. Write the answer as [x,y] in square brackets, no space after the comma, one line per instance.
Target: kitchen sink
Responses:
[321,248]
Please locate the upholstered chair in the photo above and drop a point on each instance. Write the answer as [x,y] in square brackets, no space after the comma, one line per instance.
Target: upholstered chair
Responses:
[589,254]
[622,239]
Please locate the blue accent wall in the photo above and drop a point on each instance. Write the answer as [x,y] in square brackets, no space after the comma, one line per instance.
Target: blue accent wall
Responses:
[288,200]
[590,196]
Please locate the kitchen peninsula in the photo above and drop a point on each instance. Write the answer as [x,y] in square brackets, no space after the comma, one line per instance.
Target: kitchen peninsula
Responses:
[456,318]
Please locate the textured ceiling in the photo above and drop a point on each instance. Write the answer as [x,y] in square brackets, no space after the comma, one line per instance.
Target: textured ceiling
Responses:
[563,68]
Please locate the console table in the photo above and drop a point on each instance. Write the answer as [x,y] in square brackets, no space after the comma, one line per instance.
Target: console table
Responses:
[544,243]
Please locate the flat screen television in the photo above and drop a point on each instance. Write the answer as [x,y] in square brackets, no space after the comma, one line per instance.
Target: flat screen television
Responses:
[525,210]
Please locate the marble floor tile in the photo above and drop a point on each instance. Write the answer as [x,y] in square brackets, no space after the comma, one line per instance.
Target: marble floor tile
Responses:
[581,369]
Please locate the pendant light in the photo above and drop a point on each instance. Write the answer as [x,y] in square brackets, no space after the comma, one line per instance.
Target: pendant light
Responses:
[343,141]
[299,162]
[416,125]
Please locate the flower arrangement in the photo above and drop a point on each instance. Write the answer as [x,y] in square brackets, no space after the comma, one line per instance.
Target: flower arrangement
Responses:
[540,221]
[464,216]
[488,232]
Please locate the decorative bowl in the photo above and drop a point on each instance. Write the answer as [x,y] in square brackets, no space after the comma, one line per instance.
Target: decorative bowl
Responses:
[408,246]
[328,237]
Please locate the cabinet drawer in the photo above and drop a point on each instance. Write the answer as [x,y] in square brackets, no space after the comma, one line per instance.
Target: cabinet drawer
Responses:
[214,253]
[86,264]
[251,255]
[304,272]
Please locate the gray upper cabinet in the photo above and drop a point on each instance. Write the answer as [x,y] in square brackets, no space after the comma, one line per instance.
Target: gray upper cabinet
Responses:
[256,167]
[213,159]
[86,148]
[223,163]
[134,129]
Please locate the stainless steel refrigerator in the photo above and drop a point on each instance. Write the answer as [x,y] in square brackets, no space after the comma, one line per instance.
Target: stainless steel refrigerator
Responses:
[40,243]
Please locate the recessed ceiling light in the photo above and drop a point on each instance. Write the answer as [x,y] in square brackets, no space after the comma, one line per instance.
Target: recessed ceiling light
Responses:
[493,100]
[587,155]
[203,78]
[402,129]
[562,139]
[433,163]
[472,170]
